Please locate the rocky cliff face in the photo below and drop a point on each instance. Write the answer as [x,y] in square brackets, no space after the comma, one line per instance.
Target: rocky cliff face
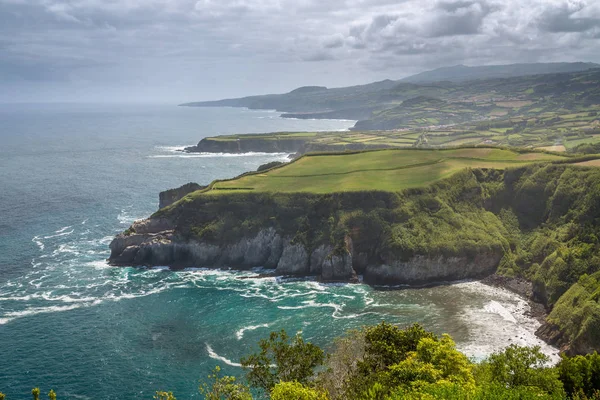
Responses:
[421,270]
[270,145]
[209,145]
[153,242]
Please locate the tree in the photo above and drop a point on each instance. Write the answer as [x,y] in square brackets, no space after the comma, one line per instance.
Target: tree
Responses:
[2,396]
[164,396]
[52,395]
[296,391]
[342,364]
[580,374]
[432,362]
[451,391]
[520,366]
[36,393]
[282,359]
[224,388]
[387,344]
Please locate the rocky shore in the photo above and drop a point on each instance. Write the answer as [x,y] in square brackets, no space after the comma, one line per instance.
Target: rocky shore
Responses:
[247,145]
[154,242]
[523,288]
[273,144]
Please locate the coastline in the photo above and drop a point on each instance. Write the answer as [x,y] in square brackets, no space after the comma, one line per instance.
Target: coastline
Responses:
[521,287]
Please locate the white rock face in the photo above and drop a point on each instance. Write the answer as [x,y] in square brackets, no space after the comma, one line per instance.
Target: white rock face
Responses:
[155,243]
[294,260]
[428,269]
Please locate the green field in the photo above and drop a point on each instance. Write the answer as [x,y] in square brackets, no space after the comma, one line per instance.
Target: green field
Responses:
[387,170]
[529,130]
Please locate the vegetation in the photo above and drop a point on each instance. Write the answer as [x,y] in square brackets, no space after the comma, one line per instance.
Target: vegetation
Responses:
[554,111]
[282,358]
[223,387]
[164,396]
[539,219]
[385,362]
[385,170]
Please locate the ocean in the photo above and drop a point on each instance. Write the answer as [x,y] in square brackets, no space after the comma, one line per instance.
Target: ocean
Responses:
[73,176]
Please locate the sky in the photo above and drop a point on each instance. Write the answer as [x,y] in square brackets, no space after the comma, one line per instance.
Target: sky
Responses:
[187,50]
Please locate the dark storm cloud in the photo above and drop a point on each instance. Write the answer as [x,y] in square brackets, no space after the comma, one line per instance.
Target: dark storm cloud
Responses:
[184,47]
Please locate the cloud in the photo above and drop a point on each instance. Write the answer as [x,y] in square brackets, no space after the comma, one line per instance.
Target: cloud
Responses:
[564,18]
[459,18]
[133,43]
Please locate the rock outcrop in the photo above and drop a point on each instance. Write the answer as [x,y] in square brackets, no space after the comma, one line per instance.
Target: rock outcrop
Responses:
[153,242]
[170,196]
[421,270]
[247,145]
[271,144]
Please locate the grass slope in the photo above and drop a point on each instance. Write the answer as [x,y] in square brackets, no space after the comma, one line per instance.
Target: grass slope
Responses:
[385,170]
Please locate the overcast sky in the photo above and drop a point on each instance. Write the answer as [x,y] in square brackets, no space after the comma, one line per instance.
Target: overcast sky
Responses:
[184,50]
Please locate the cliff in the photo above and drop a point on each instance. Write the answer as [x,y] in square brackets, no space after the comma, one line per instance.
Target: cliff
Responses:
[276,143]
[267,144]
[539,222]
[334,236]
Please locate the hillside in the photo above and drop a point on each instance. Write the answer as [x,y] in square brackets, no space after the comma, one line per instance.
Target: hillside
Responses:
[399,217]
[575,130]
[390,104]
[462,73]
[386,170]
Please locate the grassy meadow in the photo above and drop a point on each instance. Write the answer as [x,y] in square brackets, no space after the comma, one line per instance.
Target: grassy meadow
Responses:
[384,170]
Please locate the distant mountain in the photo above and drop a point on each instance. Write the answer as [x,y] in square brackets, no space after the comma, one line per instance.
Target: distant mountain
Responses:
[308,99]
[448,100]
[462,73]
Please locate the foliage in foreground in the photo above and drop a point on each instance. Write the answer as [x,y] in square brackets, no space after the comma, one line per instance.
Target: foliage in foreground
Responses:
[385,362]
[282,358]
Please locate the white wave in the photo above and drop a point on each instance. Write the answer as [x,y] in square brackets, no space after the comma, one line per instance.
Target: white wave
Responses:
[240,334]
[125,218]
[502,320]
[353,316]
[497,308]
[263,270]
[100,242]
[61,230]
[60,233]
[215,356]
[18,298]
[70,298]
[38,242]
[173,148]
[38,281]
[315,285]
[215,155]
[313,304]
[11,316]
[65,248]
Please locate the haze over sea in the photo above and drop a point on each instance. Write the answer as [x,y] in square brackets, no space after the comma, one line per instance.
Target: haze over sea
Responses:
[72,176]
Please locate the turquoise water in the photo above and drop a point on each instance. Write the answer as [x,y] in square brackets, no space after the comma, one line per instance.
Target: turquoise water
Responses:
[71,177]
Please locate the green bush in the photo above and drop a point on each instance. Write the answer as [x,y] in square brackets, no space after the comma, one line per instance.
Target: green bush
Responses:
[296,391]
